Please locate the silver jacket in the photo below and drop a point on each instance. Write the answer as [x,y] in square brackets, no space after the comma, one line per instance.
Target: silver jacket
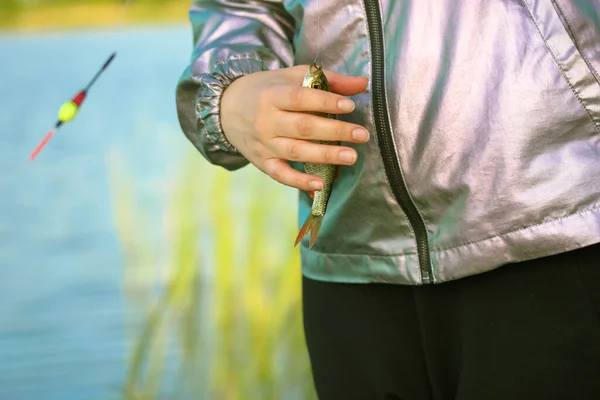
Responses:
[485,122]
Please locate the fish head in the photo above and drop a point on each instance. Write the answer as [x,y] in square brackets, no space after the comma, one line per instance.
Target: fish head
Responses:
[315,78]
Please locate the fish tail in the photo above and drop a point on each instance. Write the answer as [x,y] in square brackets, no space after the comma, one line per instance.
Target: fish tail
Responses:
[312,225]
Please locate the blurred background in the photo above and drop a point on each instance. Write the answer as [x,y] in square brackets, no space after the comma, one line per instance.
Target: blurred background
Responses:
[130,267]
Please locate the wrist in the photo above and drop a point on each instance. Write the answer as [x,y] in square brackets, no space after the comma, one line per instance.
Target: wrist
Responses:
[211,93]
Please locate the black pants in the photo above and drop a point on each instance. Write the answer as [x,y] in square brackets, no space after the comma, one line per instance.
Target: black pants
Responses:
[524,331]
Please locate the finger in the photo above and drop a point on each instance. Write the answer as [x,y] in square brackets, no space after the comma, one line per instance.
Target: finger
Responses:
[338,83]
[308,152]
[298,98]
[312,127]
[283,173]
[346,85]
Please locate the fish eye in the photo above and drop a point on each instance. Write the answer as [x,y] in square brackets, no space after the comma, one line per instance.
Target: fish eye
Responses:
[316,85]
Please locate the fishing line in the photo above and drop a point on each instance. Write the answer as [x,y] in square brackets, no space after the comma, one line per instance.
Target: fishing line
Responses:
[318,35]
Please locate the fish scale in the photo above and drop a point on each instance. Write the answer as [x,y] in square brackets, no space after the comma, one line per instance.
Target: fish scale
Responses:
[326,172]
[315,78]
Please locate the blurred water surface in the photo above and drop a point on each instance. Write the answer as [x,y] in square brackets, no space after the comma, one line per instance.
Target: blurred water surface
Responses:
[62,315]
[131,268]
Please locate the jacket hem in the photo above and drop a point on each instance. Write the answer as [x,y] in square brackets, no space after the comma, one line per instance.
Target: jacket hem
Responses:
[537,241]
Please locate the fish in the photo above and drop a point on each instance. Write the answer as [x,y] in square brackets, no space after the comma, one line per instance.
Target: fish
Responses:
[315,78]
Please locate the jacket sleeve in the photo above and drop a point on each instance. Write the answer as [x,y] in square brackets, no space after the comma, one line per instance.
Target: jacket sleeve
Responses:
[232,38]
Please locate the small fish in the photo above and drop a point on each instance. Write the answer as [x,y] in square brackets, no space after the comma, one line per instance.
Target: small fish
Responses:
[315,78]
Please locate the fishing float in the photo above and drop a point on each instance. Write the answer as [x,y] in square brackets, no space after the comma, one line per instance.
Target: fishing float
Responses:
[68,111]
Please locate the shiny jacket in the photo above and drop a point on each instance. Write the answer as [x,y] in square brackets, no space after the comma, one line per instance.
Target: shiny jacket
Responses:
[485,122]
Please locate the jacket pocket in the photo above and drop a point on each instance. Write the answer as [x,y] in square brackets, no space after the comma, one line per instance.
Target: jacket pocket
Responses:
[581,19]
[571,31]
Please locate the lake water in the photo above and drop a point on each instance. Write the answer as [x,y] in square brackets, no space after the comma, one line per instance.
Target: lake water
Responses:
[62,312]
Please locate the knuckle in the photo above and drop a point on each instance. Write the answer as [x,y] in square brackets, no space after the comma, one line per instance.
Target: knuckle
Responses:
[294,151]
[298,97]
[277,175]
[303,126]
[266,164]
[272,170]
[328,155]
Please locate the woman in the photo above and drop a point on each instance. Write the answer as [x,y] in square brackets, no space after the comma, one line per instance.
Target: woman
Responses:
[458,256]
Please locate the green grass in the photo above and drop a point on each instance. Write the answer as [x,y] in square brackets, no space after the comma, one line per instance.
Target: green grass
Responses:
[230,316]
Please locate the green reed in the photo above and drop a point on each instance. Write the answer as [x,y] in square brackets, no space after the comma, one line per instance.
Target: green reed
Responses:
[220,292]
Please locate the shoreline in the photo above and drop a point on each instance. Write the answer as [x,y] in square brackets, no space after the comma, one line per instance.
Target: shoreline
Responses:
[84,16]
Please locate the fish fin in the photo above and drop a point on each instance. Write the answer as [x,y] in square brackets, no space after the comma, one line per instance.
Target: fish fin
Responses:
[311,194]
[315,229]
[312,225]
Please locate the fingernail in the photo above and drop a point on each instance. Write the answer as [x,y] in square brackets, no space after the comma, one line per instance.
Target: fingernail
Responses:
[315,185]
[348,156]
[346,105]
[360,135]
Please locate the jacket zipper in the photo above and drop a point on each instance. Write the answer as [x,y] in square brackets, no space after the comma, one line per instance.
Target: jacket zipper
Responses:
[384,135]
